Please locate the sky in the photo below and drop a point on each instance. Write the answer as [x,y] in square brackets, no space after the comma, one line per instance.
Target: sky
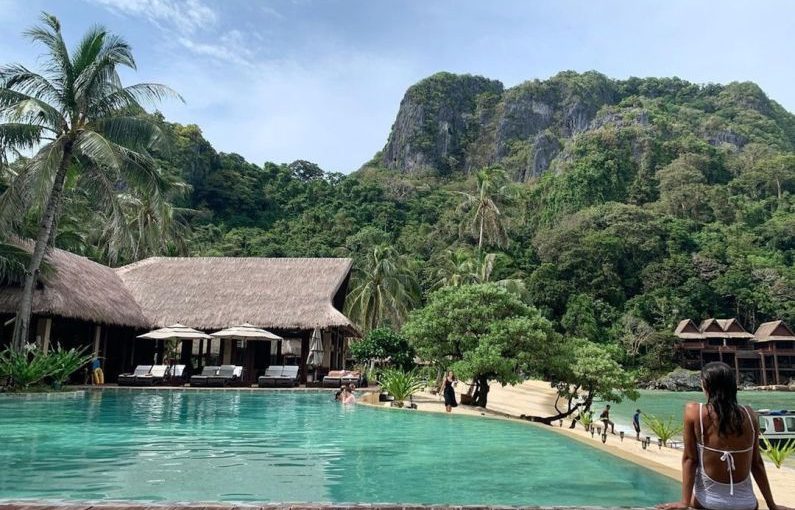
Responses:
[322,80]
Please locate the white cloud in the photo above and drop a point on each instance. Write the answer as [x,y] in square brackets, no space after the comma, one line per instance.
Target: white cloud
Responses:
[186,16]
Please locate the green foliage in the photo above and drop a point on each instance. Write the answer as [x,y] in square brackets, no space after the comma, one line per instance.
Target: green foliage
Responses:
[586,418]
[482,332]
[663,429]
[778,453]
[26,368]
[385,346]
[65,362]
[400,384]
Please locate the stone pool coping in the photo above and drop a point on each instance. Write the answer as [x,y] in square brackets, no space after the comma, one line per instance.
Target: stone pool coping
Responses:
[23,505]
[44,395]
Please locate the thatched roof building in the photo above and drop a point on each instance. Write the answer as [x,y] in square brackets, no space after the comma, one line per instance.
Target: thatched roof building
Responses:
[774,331]
[687,330]
[79,288]
[723,328]
[203,292]
[219,292]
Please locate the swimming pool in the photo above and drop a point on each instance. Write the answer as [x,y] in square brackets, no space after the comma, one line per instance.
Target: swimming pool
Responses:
[226,446]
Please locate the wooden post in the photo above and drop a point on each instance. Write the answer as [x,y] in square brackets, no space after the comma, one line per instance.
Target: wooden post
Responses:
[736,369]
[764,370]
[775,367]
[45,337]
[97,336]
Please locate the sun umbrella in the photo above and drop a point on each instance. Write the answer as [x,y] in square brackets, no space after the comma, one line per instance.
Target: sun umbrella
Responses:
[315,349]
[175,332]
[246,332]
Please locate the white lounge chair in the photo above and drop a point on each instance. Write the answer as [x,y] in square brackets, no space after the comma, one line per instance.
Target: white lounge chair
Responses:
[129,379]
[225,376]
[155,376]
[207,372]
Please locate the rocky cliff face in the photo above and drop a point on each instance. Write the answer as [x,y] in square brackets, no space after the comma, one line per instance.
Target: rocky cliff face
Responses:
[451,123]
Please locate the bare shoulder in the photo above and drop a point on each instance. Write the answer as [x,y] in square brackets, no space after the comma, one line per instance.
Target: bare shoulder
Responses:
[691,411]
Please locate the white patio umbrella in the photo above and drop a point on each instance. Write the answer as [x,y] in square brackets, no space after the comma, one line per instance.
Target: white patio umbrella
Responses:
[174,332]
[315,349]
[246,331]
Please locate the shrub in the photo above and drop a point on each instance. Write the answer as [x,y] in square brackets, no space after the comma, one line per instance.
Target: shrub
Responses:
[401,385]
[778,453]
[586,418]
[664,429]
[31,366]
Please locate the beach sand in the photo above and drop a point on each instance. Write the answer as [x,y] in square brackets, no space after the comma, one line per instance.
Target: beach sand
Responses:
[538,398]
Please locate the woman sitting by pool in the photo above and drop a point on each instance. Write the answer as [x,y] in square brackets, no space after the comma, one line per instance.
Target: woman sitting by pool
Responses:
[721,449]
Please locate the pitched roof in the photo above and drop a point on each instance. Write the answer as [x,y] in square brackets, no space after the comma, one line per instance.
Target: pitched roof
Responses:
[723,328]
[687,330]
[772,331]
[78,288]
[218,292]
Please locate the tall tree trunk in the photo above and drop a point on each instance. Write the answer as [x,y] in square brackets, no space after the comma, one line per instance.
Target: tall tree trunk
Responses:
[480,237]
[480,397]
[22,321]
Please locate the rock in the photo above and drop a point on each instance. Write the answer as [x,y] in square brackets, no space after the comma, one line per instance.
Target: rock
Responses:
[678,380]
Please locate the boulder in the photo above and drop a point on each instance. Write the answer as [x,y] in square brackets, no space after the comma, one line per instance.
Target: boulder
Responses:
[678,380]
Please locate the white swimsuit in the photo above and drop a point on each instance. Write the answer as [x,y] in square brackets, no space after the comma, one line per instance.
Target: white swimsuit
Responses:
[715,495]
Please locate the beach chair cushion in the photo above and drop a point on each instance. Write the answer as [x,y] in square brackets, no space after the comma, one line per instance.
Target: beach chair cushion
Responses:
[177,370]
[142,370]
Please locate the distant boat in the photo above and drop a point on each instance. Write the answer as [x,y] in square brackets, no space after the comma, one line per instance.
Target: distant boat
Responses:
[778,427]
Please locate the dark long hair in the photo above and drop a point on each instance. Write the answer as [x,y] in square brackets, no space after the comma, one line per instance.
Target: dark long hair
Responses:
[718,379]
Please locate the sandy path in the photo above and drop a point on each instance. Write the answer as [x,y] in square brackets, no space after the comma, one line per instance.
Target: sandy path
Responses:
[537,398]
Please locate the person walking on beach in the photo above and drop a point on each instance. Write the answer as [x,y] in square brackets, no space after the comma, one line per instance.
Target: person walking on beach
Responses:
[605,417]
[721,449]
[636,423]
[448,389]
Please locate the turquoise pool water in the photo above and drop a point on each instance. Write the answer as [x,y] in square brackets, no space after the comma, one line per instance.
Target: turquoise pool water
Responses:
[178,446]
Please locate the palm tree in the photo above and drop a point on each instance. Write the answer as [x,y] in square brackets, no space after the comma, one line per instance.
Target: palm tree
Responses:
[84,127]
[384,288]
[455,268]
[483,217]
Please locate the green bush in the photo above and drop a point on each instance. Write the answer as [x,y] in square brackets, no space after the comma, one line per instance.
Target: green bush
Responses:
[401,385]
[663,429]
[586,418]
[65,362]
[23,369]
[777,454]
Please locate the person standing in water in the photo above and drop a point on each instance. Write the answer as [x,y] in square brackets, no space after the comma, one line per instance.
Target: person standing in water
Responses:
[448,389]
[721,449]
[636,423]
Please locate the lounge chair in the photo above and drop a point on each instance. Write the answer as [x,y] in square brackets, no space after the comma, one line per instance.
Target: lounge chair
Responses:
[207,372]
[226,375]
[155,376]
[276,376]
[176,374]
[129,379]
[338,378]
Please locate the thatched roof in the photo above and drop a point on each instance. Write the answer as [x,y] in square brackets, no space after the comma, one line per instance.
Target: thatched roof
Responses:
[218,292]
[723,328]
[773,331]
[79,288]
[687,330]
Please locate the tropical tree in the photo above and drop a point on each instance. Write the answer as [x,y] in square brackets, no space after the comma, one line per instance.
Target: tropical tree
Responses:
[384,290]
[483,332]
[86,130]
[482,214]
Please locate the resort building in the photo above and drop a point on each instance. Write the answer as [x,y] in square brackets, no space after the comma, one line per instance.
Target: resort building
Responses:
[766,356]
[81,302]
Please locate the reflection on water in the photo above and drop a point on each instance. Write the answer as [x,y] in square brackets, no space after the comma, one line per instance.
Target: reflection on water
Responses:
[285,447]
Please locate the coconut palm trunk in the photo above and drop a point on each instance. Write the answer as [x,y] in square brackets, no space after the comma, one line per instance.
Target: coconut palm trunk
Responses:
[80,121]
[46,227]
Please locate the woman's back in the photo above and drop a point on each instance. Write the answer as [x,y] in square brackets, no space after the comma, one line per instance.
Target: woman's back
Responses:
[739,446]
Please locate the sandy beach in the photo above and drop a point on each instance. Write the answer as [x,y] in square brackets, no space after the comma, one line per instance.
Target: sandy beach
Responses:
[538,398]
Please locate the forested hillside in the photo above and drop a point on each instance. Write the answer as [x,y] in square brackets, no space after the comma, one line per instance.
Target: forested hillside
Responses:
[615,207]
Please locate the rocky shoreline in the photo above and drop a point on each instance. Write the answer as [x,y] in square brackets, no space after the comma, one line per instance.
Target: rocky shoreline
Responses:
[681,379]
